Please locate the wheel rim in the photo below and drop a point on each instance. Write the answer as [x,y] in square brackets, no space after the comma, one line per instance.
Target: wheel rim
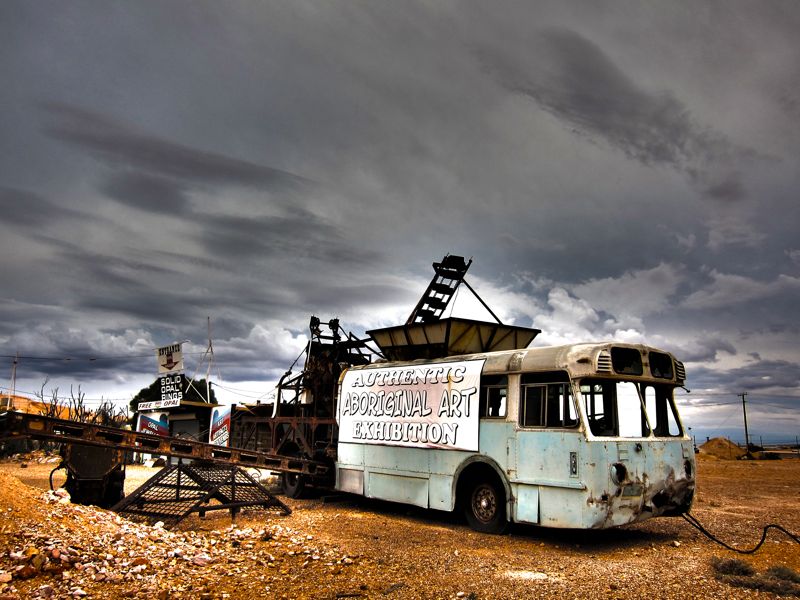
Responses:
[484,503]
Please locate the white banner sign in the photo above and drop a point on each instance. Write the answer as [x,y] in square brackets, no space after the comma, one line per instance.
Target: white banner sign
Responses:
[170,359]
[420,406]
[159,404]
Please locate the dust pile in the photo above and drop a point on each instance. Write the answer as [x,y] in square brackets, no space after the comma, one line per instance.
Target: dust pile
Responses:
[722,448]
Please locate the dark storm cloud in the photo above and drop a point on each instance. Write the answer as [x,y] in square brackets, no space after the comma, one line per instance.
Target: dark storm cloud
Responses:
[730,188]
[147,193]
[779,378]
[120,146]
[705,350]
[166,162]
[108,270]
[771,386]
[572,78]
[295,232]
[766,374]
[30,210]
[79,363]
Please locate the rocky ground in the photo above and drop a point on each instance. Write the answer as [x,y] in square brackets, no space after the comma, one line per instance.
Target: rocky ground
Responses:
[355,548]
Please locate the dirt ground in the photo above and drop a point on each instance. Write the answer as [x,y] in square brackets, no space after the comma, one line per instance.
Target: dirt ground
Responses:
[355,548]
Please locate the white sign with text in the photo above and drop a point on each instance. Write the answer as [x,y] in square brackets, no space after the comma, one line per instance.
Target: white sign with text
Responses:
[419,406]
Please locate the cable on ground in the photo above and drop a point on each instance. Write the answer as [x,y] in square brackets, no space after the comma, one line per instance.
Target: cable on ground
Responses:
[692,520]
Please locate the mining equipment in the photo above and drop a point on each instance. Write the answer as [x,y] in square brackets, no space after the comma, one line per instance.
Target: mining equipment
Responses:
[295,435]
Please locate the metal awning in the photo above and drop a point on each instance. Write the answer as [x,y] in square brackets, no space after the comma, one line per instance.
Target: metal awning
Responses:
[449,337]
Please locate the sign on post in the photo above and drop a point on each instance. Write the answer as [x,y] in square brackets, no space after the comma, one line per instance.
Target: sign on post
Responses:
[170,373]
[220,431]
[156,423]
[170,358]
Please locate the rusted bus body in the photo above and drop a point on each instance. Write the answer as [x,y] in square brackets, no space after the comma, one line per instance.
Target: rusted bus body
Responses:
[580,436]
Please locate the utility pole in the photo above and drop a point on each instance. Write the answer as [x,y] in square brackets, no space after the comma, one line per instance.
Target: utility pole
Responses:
[12,400]
[743,395]
[210,352]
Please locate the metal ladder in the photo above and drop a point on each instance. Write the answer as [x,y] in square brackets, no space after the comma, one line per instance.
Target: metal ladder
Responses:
[448,276]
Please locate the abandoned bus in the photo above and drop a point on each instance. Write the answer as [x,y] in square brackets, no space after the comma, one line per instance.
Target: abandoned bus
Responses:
[577,436]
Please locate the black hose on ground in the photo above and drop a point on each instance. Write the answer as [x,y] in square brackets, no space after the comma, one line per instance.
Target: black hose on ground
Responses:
[692,520]
[60,466]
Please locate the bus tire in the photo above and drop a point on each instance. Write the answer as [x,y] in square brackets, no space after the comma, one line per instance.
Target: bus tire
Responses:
[485,506]
[293,485]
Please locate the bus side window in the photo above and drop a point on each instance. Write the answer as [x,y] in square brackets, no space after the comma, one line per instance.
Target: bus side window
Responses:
[562,406]
[599,408]
[547,405]
[532,408]
[494,395]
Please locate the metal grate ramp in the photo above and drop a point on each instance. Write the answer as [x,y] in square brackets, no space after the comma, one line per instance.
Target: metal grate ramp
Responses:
[179,490]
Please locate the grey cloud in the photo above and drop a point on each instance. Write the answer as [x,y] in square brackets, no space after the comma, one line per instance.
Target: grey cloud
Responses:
[147,193]
[766,374]
[705,350]
[120,146]
[296,232]
[572,78]
[773,378]
[575,154]
[730,189]
[29,209]
[68,364]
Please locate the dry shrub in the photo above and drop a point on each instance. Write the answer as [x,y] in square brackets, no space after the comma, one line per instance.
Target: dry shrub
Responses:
[778,579]
[782,572]
[732,566]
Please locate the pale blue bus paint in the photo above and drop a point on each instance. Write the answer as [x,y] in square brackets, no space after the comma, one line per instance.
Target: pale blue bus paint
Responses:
[552,477]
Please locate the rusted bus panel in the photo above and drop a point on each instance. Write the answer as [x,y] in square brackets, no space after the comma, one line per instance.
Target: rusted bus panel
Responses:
[658,480]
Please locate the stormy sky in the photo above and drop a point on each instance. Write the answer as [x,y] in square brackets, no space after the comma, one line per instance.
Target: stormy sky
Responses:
[616,170]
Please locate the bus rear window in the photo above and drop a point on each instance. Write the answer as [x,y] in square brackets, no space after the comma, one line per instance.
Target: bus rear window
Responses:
[626,361]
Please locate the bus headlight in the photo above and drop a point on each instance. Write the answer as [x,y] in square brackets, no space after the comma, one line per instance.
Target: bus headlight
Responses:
[619,473]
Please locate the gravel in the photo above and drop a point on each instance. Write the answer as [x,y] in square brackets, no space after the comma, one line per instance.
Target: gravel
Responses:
[357,548]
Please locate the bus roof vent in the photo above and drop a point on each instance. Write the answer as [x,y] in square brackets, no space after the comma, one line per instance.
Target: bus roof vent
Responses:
[604,362]
[680,371]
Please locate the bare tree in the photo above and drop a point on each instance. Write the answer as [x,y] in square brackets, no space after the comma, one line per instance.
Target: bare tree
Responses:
[110,415]
[50,406]
[78,411]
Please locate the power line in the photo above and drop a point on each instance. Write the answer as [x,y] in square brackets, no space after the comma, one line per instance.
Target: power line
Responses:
[234,391]
[729,394]
[87,358]
[47,398]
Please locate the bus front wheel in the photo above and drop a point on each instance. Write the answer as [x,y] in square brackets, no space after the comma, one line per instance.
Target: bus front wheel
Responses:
[485,507]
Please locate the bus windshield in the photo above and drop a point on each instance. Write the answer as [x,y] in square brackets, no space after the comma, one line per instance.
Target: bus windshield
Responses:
[629,409]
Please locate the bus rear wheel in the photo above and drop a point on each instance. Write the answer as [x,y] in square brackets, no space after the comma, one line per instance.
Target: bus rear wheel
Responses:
[485,507]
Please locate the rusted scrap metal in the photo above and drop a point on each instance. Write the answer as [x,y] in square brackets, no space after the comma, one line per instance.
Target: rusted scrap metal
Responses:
[21,425]
[178,491]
